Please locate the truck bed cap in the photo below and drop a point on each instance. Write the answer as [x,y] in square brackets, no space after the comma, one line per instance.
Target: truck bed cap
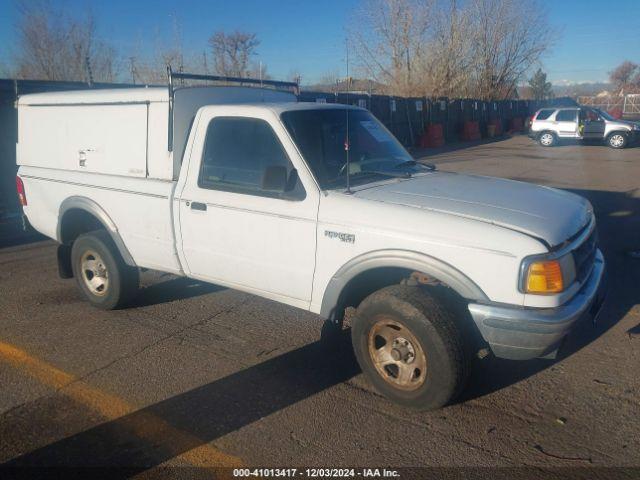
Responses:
[114,95]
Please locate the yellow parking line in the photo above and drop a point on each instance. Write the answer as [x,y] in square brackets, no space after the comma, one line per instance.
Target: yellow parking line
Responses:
[146,426]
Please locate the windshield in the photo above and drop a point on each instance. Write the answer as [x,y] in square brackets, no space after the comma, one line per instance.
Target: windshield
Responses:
[605,115]
[374,154]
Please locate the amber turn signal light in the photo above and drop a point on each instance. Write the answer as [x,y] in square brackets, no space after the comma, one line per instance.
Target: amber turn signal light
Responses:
[545,277]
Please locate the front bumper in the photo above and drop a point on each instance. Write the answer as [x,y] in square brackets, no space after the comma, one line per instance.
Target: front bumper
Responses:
[519,333]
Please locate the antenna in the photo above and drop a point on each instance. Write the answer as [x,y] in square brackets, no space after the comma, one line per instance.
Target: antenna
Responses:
[170,76]
[347,141]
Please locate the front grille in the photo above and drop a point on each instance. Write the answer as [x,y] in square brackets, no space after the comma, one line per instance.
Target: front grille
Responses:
[584,256]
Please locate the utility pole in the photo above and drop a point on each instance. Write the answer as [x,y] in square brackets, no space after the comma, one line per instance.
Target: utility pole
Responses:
[132,69]
[87,64]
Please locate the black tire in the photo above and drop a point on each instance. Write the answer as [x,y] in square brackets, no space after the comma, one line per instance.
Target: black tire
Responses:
[547,139]
[432,326]
[120,281]
[617,140]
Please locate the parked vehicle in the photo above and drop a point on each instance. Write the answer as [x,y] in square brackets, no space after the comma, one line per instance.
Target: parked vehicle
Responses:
[551,125]
[315,206]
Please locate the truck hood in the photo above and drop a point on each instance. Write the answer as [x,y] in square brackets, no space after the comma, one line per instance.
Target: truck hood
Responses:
[541,212]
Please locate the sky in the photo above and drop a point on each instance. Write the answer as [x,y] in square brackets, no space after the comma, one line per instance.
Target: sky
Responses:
[308,36]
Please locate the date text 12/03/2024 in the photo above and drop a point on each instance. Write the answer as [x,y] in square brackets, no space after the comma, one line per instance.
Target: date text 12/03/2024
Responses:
[316,472]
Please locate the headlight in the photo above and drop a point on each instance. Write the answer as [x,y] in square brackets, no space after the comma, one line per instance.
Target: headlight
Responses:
[636,127]
[545,274]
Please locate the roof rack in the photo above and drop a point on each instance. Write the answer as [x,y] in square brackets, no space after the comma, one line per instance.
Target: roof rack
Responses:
[277,84]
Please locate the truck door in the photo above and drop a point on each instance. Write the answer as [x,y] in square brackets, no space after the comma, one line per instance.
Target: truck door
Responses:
[593,124]
[248,207]
[566,122]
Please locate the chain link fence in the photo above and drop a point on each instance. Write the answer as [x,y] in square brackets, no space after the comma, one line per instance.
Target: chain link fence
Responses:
[627,106]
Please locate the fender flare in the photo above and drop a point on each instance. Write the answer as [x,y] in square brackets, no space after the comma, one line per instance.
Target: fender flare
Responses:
[411,260]
[90,206]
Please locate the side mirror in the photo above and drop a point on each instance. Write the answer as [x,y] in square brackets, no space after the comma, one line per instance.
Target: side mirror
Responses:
[274,178]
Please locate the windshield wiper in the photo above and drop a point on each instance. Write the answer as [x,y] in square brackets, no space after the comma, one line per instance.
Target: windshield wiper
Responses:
[370,173]
[413,163]
[388,174]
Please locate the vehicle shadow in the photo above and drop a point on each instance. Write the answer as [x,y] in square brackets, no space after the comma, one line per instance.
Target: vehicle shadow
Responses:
[164,430]
[618,218]
[175,288]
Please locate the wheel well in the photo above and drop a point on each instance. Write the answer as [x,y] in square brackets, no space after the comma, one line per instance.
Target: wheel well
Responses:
[621,132]
[369,281]
[372,280]
[542,132]
[75,222]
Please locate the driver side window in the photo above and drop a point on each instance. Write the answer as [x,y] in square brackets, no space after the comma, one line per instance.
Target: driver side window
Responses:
[244,155]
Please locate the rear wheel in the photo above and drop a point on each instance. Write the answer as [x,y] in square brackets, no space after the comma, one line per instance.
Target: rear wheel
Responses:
[617,140]
[100,272]
[547,139]
[409,347]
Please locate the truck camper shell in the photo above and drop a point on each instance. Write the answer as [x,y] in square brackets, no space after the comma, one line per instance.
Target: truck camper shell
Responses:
[134,132]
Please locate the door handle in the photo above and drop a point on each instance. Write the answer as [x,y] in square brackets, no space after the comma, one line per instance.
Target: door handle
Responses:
[198,206]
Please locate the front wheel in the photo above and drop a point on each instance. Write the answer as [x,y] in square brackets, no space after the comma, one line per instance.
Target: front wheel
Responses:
[547,139]
[409,347]
[617,140]
[100,272]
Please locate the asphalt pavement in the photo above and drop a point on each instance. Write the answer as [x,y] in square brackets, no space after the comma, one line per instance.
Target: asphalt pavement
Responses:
[198,375]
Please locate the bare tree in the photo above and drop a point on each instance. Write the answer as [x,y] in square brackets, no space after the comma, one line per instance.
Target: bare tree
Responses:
[232,52]
[151,68]
[389,37]
[330,78]
[480,48]
[509,37]
[258,70]
[54,46]
[448,63]
[626,77]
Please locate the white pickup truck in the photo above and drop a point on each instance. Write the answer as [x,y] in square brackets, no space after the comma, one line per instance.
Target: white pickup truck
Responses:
[316,206]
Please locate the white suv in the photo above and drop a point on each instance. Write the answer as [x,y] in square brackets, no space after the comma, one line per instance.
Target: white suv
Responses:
[550,125]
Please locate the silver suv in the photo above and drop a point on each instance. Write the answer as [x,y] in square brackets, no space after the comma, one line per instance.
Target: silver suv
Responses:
[550,125]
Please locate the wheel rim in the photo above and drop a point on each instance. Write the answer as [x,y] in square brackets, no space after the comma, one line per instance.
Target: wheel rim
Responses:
[546,139]
[397,355]
[94,273]
[616,140]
